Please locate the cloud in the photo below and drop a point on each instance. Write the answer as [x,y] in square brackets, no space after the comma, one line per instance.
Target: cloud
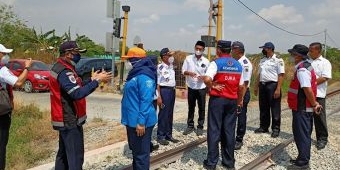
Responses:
[330,8]
[147,20]
[201,5]
[280,14]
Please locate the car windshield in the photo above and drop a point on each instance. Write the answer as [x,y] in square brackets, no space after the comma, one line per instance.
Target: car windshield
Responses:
[39,66]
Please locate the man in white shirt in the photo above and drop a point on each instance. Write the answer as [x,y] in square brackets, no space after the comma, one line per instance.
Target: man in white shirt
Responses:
[323,70]
[7,79]
[247,69]
[194,68]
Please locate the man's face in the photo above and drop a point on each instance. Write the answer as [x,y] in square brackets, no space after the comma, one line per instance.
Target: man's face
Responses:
[1,55]
[235,52]
[314,51]
[199,48]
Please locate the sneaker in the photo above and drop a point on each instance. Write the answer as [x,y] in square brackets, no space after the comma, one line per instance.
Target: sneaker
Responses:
[154,147]
[208,167]
[173,140]
[275,134]
[260,130]
[163,142]
[227,167]
[199,132]
[188,130]
[320,145]
[294,166]
[238,145]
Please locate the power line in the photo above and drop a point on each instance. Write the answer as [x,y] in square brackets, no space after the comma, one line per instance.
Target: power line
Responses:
[282,29]
[332,40]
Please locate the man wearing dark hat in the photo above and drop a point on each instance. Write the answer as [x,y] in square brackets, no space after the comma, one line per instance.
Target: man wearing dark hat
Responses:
[302,100]
[166,84]
[268,84]
[238,53]
[224,77]
[194,68]
[68,105]
[138,113]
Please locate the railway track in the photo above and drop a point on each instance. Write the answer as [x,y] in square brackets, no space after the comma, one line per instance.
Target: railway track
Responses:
[263,161]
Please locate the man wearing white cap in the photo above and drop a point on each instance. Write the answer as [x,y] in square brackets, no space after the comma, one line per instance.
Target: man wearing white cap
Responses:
[7,80]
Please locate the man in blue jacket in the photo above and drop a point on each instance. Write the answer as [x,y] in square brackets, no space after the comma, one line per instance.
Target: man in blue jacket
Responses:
[138,113]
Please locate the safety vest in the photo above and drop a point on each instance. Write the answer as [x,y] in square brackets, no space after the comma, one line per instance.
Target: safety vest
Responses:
[297,100]
[65,112]
[229,73]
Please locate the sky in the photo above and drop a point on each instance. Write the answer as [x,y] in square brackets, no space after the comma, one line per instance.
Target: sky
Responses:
[178,24]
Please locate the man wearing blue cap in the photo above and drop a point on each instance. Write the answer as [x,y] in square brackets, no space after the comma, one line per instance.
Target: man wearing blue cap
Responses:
[268,84]
[224,77]
[302,100]
[166,84]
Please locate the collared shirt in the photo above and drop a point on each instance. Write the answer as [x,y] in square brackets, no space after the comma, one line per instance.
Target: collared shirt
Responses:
[198,66]
[304,76]
[7,77]
[247,68]
[212,71]
[270,68]
[166,75]
[322,68]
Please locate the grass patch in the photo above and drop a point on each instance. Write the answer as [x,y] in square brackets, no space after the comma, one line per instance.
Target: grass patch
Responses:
[31,137]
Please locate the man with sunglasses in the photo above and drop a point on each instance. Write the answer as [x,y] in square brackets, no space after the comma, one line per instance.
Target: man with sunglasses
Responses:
[68,105]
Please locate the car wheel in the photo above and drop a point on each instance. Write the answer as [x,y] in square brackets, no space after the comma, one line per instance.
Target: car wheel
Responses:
[28,87]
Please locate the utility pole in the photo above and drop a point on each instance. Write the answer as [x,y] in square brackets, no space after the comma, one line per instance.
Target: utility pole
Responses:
[325,45]
[126,10]
[219,20]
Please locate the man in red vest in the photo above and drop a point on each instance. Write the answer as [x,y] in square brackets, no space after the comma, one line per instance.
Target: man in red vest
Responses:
[225,79]
[302,101]
[68,105]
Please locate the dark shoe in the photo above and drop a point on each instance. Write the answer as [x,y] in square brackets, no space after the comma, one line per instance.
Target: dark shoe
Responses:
[238,145]
[154,147]
[199,132]
[275,134]
[260,130]
[173,140]
[292,161]
[163,142]
[226,167]
[294,166]
[320,145]
[188,130]
[208,167]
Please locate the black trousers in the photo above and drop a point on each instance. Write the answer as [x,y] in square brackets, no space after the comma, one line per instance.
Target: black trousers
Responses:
[198,95]
[320,122]
[166,114]
[221,127]
[269,107]
[242,118]
[5,123]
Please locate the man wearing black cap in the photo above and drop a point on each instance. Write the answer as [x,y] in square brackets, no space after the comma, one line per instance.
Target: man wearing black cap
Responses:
[238,53]
[166,84]
[302,100]
[68,105]
[194,68]
[268,84]
[224,77]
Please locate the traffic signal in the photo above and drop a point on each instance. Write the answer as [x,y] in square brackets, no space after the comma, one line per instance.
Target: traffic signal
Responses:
[116,27]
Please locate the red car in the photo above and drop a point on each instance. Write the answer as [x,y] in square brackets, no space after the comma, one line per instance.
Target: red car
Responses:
[38,73]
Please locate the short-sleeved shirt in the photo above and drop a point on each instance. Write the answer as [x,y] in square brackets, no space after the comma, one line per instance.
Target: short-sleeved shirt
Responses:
[198,66]
[304,76]
[270,68]
[212,71]
[7,77]
[247,68]
[322,68]
[166,75]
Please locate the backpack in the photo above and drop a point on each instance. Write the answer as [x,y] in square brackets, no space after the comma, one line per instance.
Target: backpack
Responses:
[5,101]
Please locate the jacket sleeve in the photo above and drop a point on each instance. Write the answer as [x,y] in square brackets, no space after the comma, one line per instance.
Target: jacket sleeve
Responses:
[146,89]
[68,83]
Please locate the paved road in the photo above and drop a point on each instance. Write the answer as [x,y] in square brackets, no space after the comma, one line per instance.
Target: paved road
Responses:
[99,105]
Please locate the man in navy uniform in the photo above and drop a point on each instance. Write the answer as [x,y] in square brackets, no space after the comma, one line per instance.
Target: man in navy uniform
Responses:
[166,97]
[238,53]
[225,79]
[302,101]
[68,105]
[268,84]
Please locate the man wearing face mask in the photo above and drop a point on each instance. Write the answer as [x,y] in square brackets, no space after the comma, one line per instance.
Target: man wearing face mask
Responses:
[7,81]
[194,68]
[268,84]
[166,99]
[68,105]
